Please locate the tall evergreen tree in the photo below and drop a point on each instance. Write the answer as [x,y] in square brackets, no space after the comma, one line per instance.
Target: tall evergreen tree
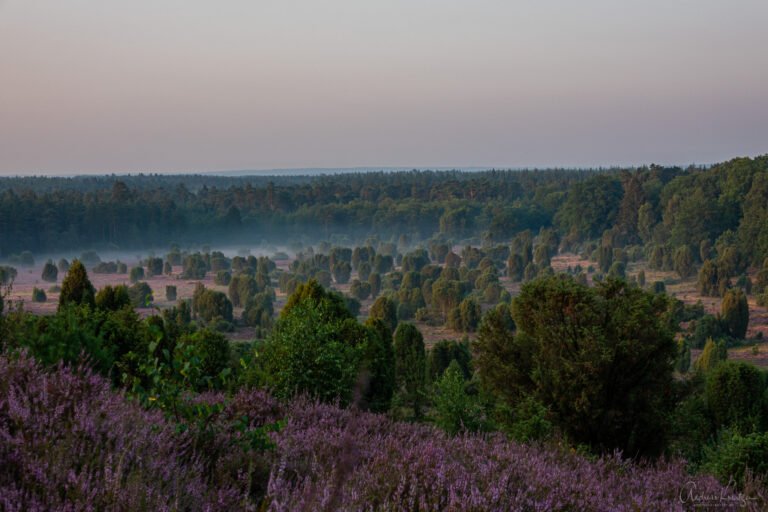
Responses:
[76,287]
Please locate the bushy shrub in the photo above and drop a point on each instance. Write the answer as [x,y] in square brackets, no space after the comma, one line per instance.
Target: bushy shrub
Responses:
[303,455]
[38,295]
[140,294]
[222,278]
[50,272]
[137,274]
[455,409]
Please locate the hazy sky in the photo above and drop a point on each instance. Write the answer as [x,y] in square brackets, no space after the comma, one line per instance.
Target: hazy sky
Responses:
[196,85]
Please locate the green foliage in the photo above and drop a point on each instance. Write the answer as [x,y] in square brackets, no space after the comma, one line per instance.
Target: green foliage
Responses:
[76,287]
[211,350]
[137,274]
[641,279]
[515,267]
[360,290]
[707,327]
[735,397]
[210,304]
[73,332]
[38,295]
[374,281]
[455,410]
[735,454]
[590,207]
[63,265]
[7,274]
[140,294]
[222,278]
[466,317]
[600,359]
[50,272]
[529,421]
[713,354]
[735,313]
[195,267]
[446,295]
[410,366]
[415,260]
[259,311]
[444,352]
[378,367]
[683,261]
[384,309]
[617,270]
[312,291]
[683,361]
[312,350]
[154,267]
[708,280]
[241,288]
[112,298]
[342,271]
[497,355]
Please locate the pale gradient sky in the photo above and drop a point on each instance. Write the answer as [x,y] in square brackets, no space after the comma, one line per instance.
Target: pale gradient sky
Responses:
[197,85]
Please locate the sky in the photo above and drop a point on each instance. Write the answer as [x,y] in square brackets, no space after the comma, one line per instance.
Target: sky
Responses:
[101,86]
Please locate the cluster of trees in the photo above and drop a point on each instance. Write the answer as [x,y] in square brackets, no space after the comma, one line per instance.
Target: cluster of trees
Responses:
[143,210]
[597,367]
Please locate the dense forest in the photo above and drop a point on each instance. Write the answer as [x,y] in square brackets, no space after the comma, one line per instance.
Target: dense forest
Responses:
[567,386]
[664,207]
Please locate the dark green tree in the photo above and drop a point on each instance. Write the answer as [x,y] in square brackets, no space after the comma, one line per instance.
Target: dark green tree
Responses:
[38,295]
[735,313]
[379,367]
[601,360]
[410,366]
[140,294]
[50,272]
[210,304]
[137,274]
[112,298]
[735,395]
[445,351]
[384,309]
[708,279]
[455,409]
[714,353]
[683,261]
[76,287]
[312,350]
[341,272]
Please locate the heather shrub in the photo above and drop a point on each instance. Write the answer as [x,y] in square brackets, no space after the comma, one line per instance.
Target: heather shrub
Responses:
[334,459]
[69,442]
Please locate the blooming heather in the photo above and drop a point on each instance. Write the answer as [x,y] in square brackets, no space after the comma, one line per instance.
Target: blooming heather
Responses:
[70,442]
